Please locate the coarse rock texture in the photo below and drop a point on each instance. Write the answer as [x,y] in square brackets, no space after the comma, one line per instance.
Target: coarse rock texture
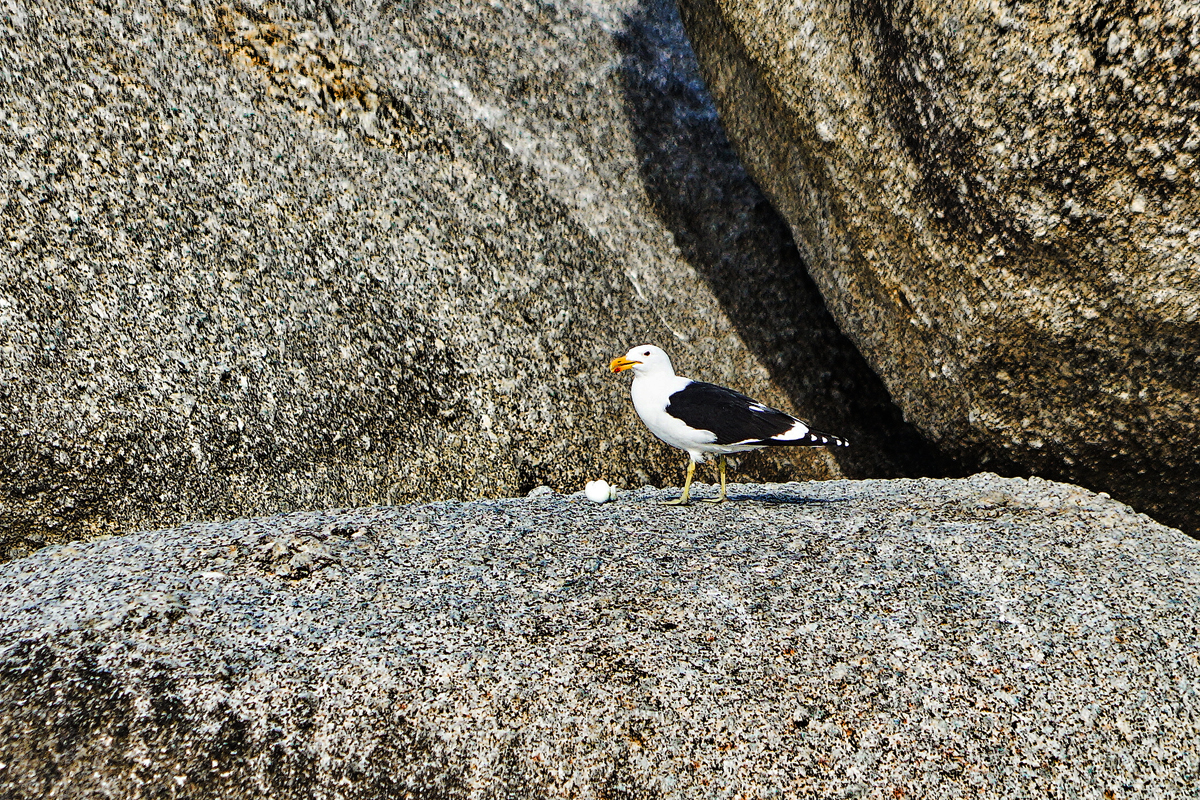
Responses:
[999,202]
[990,637]
[275,256]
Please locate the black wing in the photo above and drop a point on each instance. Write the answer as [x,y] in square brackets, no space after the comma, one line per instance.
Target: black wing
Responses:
[731,415]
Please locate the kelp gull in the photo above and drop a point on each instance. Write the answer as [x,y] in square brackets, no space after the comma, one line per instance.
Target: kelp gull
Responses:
[703,418]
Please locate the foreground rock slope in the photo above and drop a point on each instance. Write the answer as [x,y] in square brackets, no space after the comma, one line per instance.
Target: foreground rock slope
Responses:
[267,257]
[927,638]
[1000,204]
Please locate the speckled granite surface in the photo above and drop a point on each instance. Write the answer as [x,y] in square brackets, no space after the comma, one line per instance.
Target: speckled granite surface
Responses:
[262,257]
[1001,204]
[938,639]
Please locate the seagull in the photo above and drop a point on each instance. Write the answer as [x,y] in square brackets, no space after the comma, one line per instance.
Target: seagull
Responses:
[703,418]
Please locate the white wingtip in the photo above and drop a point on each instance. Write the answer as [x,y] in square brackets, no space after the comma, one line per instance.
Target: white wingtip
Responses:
[798,431]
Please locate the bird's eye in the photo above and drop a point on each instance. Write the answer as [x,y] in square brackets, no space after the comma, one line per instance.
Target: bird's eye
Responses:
[646,353]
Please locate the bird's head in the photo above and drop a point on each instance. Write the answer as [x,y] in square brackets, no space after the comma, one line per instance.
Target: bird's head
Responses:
[643,360]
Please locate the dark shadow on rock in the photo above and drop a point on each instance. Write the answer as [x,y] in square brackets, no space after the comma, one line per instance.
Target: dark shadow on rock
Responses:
[776,499]
[734,239]
[702,499]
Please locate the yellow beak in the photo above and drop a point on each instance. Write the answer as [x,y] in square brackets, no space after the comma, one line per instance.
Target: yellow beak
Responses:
[621,364]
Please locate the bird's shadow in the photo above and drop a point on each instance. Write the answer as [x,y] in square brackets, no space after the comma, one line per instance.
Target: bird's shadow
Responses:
[790,500]
[769,499]
[737,243]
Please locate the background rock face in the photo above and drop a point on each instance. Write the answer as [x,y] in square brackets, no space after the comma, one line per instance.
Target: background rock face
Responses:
[999,203]
[273,256]
[941,638]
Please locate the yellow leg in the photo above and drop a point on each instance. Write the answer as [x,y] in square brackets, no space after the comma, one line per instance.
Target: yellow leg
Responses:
[687,486]
[720,469]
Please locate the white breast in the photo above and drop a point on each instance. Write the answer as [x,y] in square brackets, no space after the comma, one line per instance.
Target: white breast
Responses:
[651,396]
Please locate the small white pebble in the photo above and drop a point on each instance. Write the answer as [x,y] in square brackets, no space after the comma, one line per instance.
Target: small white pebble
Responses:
[600,491]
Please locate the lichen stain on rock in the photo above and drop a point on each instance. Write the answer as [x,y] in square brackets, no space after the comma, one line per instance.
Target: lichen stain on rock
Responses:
[314,71]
